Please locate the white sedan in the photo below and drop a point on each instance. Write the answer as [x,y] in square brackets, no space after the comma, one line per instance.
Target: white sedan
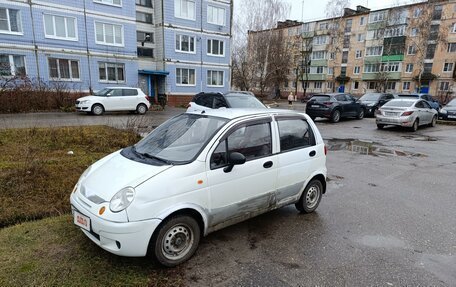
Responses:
[197,173]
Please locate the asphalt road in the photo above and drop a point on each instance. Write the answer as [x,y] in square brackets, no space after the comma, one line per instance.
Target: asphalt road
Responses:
[388,217]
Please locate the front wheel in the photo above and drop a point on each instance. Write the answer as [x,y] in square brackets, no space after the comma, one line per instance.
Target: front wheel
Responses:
[311,197]
[176,240]
[360,115]
[97,109]
[335,116]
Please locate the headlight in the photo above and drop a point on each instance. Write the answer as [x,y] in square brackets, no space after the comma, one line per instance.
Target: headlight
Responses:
[122,199]
[83,102]
[443,111]
[370,104]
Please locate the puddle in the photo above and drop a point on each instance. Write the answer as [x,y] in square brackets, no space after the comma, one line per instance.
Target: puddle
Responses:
[378,241]
[367,148]
[421,138]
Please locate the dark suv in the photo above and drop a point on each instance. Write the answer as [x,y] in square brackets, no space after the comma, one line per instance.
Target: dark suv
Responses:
[334,107]
[373,101]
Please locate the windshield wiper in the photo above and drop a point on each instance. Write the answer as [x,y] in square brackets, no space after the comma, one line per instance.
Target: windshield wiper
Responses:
[150,156]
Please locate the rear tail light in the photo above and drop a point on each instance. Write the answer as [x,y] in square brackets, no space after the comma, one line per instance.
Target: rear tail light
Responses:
[147,98]
[404,114]
[378,112]
[189,105]
[327,103]
[326,150]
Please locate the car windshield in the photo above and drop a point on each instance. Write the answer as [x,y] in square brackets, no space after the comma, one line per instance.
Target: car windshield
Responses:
[370,97]
[452,103]
[179,139]
[243,101]
[321,98]
[399,104]
[103,93]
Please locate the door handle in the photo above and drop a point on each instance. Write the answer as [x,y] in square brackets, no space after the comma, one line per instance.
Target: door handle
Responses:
[268,164]
[312,153]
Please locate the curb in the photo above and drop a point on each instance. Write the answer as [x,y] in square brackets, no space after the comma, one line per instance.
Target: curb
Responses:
[447,123]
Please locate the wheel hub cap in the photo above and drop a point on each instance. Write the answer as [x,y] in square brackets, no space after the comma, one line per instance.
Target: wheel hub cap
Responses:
[312,196]
[177,242]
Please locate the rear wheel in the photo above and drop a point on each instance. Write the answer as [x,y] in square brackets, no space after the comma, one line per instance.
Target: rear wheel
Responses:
[311,197]
[360,115]
[97,109]
[380,126]
[141,109]
[414,127]
[433,122]
[335,116]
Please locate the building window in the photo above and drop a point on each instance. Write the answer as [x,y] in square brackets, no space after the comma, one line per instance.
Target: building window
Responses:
[144,17]
[318,55]
[109,34]
[12,65]
[361,21]
[355,85]
[437,13]
[361,37]
[215,47]
[323,26]
[63,69]
[448,67]
[185,77]
[111,72]
[346,43]
[318,85]
[109,2]
[374,51]
[356,70]
[394,32]
[427,68]
[320,40]
[371,85]
[375,34]
[417,12]
[409,68]
[391,86]
[215,15]
[332,56]
[379,16]
[345,57]
[331,71]
[184,9]
[145,3]
[215,78]
[391,67]
[319,70]
[60,27]
[185,44]
[453,28]
[430,51]
[406,86]
[451,47]
[145,52]
[414,32]
[145,37]
[411,50]
[10,21]
[348,25]
[358,54]
[330,85]
[444,86]
[371,68]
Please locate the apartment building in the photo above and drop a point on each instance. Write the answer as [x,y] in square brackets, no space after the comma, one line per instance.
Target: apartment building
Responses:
[84,45]
[408,48]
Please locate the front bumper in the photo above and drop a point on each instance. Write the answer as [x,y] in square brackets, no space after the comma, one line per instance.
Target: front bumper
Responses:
[320,113]
[120,238]
[82,107]
[396,121]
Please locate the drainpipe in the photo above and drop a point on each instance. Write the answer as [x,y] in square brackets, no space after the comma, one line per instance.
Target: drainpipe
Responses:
[201,48]
[87,49]
[34,43]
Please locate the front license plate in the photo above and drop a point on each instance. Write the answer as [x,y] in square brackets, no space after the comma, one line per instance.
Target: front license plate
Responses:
[81,220]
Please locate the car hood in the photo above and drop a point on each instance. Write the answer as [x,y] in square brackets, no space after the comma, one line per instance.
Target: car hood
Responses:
[88,98]
[450,108]
[368,102]
[113,173]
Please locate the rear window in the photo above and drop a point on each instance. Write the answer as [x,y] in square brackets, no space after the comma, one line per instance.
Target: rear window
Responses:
[243,101]
[400,104]
[130,92]
[321,98]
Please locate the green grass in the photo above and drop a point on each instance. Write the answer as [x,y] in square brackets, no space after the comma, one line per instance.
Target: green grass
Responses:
[53,252]
[36,173]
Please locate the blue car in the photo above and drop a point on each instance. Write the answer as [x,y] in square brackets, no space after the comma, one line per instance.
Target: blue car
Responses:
[433,103]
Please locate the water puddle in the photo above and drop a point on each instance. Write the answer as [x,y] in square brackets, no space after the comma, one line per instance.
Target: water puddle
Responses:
[378,241]
[421,138]
[367,148]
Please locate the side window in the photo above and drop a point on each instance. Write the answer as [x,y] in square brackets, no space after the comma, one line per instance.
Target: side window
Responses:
[295,134]
[419,105]
[204,101]
[116,93]
[130,92]
[253,141]
[340,98]
[219,102]
[426,105]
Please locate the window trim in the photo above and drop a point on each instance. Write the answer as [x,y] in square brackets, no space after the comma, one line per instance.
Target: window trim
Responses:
[224,16]
[409,85]
[185,18]
[406,66]
[285,118]
[209,53]
[215,86]
[75,39]
[180,44]
[106,71]
[8,17]
[11,63]
[186,85]
[448,71]
[59,79]
[102,2]
[145,13]
[104,34]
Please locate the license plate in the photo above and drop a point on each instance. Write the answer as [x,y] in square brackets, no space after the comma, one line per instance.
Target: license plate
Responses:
[81,220]
[390,114]
[315,106]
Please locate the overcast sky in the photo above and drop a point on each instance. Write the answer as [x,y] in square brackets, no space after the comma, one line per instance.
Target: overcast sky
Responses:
[315,9]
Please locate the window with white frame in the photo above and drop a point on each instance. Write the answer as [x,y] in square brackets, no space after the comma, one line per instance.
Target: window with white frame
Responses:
[375,34]
[394,32]
[414,32]
[371,68]
[451,47]
[306,27]
[355,85]
[60,27]
[417,12]
[411,50]
[330,85]
[144,3]
[391,67]
[184,9]
[331,71]
[318,55]
[185,43]
[215,15]
[358,54]
[215,47]
[63,69]
[145,37]
[332,56]
[110,2]
[361,37]
[317,70]
[318,85]
[111,72]
[356,70]
[215,78]
[391,86]
[372,85]
[361,21]
[444,86]
[144,17]
[379,16]
[448,67]
[320,40]
[324,26]
[374,51]
[406,86]
[10,21]
[185,77]
[12,65]
[109,34]
[409,68]
[453,28]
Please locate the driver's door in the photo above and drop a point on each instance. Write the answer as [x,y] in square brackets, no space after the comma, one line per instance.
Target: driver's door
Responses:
[114,100]
[248,189]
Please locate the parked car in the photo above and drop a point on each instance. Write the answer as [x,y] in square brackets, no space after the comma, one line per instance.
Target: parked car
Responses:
[114,99]
[233,99]
[406,112]
[197,173]
[449,111]
[334,107]
[428,98]
[373,101]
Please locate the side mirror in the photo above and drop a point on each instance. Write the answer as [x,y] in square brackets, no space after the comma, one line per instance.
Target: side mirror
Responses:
[236,158]
[108,95]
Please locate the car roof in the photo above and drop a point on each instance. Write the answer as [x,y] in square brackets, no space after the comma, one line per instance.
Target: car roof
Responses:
[238,112]
[330,94]
[404,100]
[120,88]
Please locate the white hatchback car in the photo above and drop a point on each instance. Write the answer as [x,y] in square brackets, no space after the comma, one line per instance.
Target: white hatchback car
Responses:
[197,173]
[114,99]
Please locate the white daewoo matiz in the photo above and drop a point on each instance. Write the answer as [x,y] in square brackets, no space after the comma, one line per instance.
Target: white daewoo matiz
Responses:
[197,173]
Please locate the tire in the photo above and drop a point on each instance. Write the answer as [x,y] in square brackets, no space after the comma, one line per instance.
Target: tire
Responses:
[179,235]
[97,109]
[141,109]
[360,115]
[335,116]
[380,126]
[414,128]
[433,122]
[374,112]
[311,197]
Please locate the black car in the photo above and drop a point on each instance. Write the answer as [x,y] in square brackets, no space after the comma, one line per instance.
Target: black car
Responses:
[373,101]
[449,111]
[334,107]
[232,99]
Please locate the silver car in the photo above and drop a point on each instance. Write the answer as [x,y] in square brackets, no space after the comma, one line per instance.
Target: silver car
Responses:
[410,113]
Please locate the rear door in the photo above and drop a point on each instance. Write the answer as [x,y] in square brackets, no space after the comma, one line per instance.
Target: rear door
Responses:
[423,113]
[130,99]
[345,105]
